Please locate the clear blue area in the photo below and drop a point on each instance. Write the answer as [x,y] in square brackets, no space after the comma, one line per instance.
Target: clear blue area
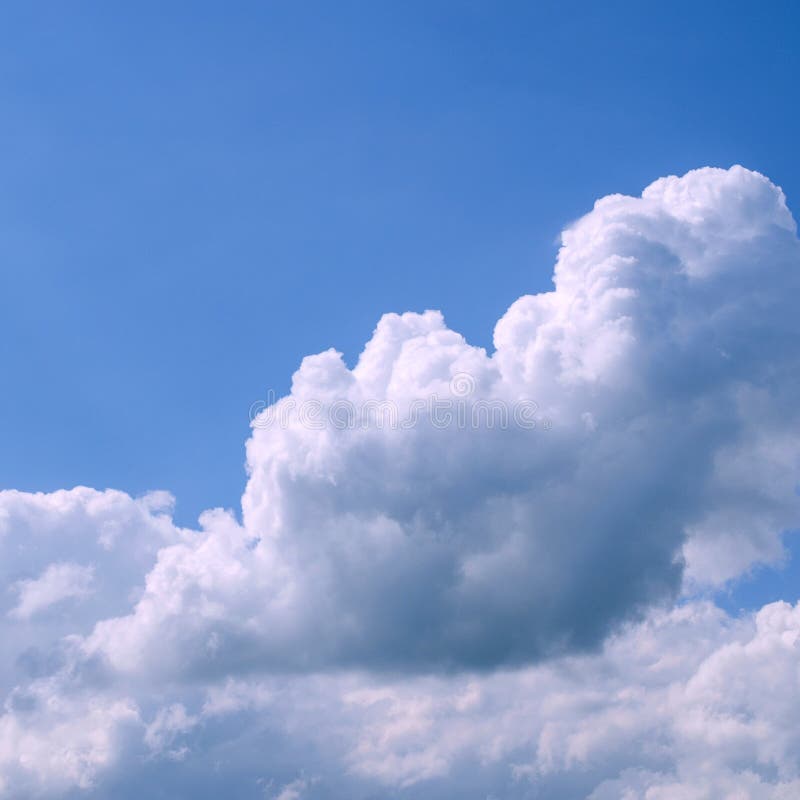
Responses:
[766,584]
[195,195]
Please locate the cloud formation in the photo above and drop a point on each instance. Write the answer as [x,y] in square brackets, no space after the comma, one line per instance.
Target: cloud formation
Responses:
[58,582]
[663,360]
[518,577]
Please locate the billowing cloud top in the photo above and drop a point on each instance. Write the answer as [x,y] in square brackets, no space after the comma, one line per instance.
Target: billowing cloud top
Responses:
[438,511]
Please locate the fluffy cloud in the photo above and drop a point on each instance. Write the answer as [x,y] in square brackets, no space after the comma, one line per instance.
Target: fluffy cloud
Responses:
[663,367]
[689,703]
[55,736]
[57,583]
[68,559]
[479,524]
[682,705]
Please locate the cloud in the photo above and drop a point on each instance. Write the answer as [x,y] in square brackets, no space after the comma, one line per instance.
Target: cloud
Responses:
[680,705]
[169,723]
[663,364]
[94,547]
[55,737]
[58,582]
[424,599]
[686,700]
[294,790]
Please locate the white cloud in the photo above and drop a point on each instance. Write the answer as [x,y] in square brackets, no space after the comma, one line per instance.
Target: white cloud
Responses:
[689,703]
[431,610]
[58,582]
[54,737]
[94,547]
[671,327]
[167,726]
[294,791]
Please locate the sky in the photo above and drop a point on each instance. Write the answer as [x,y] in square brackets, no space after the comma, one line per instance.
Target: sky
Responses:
[193,198]
[537,206]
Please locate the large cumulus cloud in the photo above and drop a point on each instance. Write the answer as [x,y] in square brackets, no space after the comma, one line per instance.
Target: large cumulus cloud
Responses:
[642,445]
[663,365]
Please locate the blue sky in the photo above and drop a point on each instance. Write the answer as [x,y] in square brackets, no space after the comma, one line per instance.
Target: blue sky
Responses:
[193,198]
[196,198]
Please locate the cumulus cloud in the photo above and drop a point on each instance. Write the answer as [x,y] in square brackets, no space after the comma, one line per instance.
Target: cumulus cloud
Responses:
[55,736]
[436,605]
[58,582]
[689,703]
[682,705]
[664,364]
[67,560]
